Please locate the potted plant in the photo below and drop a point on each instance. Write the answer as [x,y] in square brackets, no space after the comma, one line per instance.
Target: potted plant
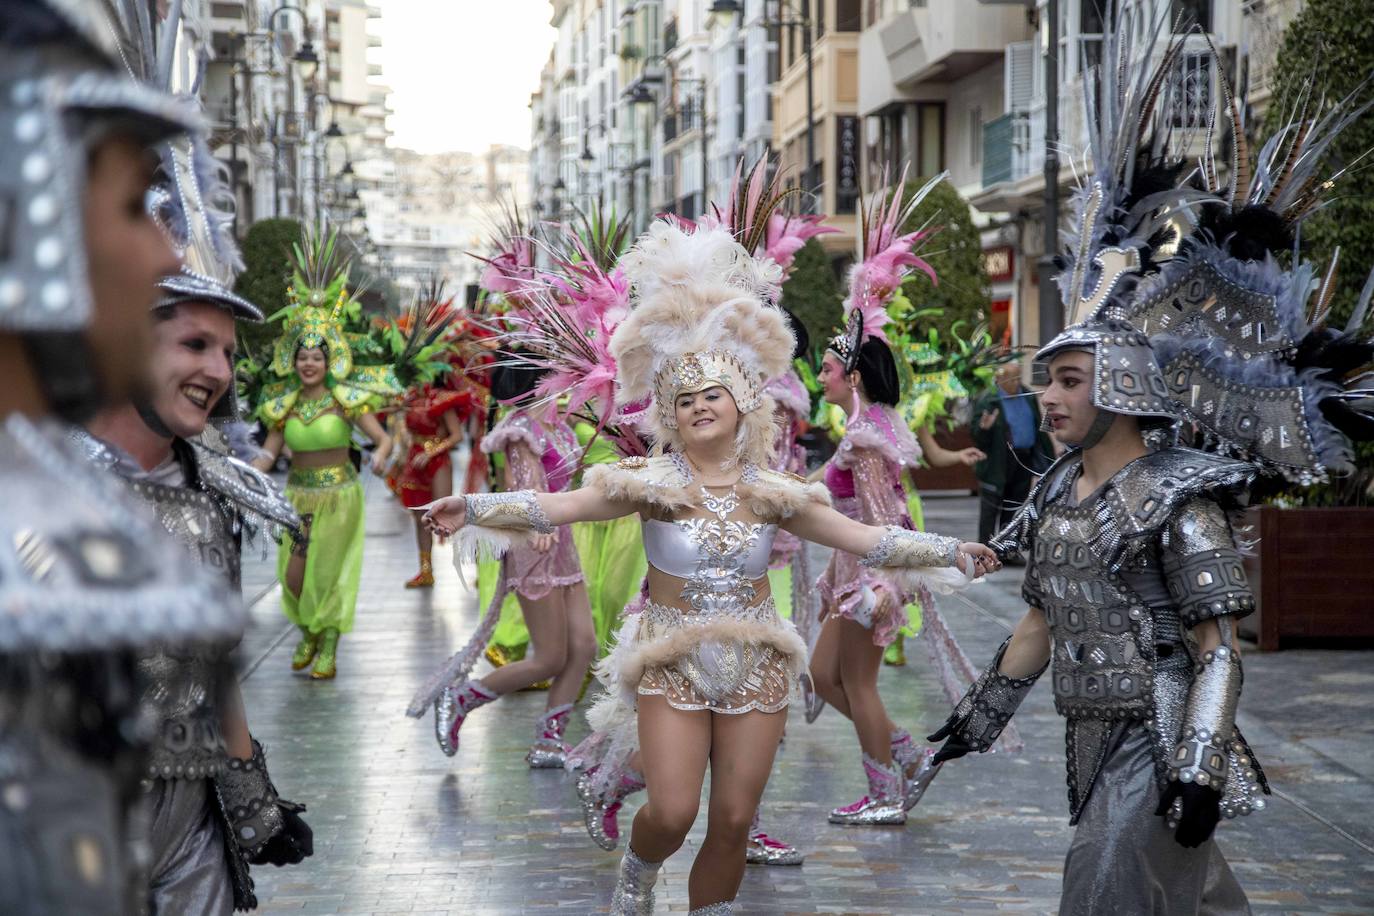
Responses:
[1312,569]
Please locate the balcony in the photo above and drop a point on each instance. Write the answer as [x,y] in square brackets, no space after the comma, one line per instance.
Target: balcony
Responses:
[945,40]
[228,16]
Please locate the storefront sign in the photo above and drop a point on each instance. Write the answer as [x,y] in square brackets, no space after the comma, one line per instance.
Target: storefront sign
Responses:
[999,262]
[846,163]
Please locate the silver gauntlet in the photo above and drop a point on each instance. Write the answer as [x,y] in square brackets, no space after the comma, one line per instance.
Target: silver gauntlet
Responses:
[520,510]
[1209,723]
[905,549]
[990,703]
[250,801]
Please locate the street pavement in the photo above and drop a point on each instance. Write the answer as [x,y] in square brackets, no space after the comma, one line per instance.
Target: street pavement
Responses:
[400,828]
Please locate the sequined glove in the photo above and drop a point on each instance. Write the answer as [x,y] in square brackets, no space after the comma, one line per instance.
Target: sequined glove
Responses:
[269,830]
[518,510]
[984,711]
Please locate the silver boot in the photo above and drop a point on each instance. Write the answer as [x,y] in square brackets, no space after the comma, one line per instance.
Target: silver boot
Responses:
[634,891]
[723,908]
[549,750]
[762,849]
[883,803]
[918,768]
[452,707]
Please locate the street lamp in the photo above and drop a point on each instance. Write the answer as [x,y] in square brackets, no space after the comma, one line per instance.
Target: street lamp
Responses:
[640,96]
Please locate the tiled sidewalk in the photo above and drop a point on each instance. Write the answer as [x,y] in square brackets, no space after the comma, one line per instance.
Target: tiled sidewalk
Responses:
[399,828]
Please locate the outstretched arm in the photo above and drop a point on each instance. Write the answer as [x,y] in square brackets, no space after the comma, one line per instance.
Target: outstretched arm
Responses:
[887,545]
[940,457]
[992,700]
[523,510]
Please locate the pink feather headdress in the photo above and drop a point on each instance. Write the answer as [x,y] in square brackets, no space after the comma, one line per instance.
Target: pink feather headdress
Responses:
[886,257]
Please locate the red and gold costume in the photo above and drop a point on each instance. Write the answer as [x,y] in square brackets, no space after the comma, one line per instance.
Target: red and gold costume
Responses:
[413,478]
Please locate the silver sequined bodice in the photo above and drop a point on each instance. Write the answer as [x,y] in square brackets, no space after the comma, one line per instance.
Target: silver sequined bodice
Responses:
[718,558]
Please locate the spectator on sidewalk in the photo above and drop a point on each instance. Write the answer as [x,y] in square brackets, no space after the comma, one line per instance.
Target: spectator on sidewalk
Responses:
[1006,426]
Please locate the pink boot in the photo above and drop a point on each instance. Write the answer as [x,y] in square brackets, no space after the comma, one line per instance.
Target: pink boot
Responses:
[549,750]
[764,850]
[452,707]
[883,803]
[601,815]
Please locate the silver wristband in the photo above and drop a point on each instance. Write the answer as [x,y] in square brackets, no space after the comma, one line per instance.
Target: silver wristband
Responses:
[899,547]
[518,510]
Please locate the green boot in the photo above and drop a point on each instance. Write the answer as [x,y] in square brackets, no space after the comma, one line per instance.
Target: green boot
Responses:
[324,662]
[896,653]
[305,650]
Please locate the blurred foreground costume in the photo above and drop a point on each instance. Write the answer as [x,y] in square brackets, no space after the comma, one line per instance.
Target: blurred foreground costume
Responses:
[1214,336]
[209,813]
[87,583]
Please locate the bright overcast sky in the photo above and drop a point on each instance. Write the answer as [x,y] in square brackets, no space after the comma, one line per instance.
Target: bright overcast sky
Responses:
[461,71]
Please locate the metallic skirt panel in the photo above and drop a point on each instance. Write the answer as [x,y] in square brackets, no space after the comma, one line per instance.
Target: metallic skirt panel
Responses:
[189,871]
[1124,859]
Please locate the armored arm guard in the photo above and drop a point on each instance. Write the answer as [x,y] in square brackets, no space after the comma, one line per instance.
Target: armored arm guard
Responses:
[1207,581]
[1209,721]
[265,827]
[985,710]
[1203,568]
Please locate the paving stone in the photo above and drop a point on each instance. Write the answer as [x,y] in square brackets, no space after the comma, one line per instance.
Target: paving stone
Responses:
[399,828]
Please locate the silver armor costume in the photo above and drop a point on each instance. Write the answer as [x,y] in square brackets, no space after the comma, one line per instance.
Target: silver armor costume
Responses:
[85,579]
[207,501]
[1210,336]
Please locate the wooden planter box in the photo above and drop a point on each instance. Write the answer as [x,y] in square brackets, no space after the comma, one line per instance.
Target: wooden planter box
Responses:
[1313,574]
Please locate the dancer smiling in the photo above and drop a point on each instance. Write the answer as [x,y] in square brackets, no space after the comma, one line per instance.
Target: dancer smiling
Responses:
[708,664]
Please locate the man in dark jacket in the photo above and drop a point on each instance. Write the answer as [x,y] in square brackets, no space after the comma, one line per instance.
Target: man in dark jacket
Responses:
[1006,426]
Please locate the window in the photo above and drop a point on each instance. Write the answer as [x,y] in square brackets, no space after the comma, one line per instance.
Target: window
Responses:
[818,16]
[1192,96]
[847,16]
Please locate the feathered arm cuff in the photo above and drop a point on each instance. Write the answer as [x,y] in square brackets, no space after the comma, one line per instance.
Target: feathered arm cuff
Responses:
[496,522]
[916,558]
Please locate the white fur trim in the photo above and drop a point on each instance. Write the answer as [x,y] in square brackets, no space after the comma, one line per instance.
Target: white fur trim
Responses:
[622,670]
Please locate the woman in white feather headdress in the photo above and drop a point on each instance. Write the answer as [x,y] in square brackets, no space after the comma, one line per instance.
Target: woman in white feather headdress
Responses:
[704,669]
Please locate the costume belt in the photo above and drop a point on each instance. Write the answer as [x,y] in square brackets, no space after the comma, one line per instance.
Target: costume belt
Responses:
[332,475]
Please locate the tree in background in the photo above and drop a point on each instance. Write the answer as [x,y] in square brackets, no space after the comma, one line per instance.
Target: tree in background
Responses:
[1328,52]
[267,273]
[813,294]
[956,254]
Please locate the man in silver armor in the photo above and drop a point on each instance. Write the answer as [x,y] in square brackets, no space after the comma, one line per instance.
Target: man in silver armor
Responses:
[1135,579]
[211,805]
[87,581]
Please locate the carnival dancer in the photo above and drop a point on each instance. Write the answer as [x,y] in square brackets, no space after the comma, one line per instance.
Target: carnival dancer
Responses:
[88,581]
[320,398]
[1135,578]
[434,416]
[211,806]
[540,455]
[612,767]
[703,671]
[863,609]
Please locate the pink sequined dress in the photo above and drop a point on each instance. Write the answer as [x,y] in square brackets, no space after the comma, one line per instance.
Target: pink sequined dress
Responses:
[865,483]
[541,454]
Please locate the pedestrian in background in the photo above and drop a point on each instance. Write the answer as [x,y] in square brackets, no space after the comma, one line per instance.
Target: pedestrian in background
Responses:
[1006,426]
